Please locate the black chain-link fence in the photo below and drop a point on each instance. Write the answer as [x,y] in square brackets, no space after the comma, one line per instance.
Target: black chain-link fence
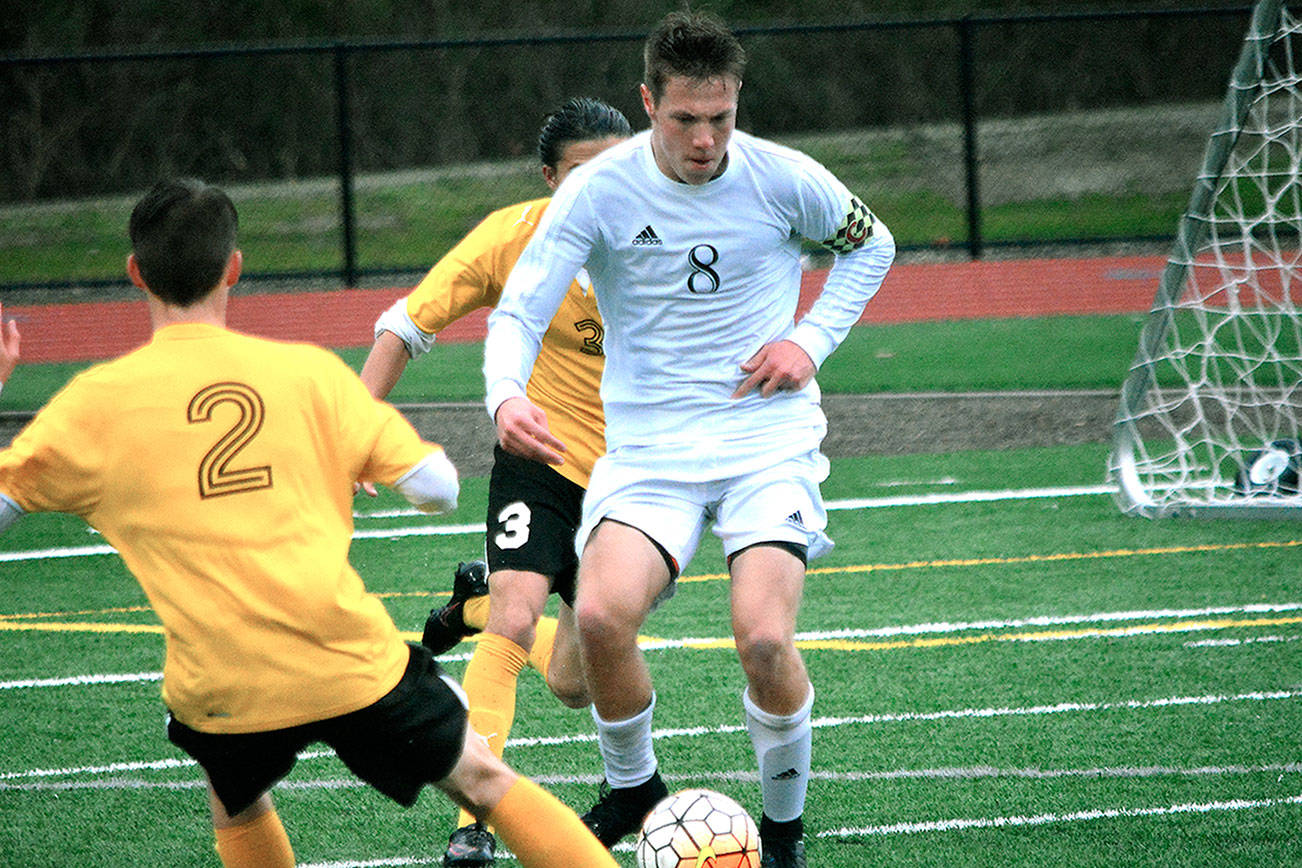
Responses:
[357,161]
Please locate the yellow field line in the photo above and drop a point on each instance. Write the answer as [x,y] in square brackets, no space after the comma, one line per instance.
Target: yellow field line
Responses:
[79,627]
[822,571]
[1037,636]
[116,611]
[123,610]
[809,644]
[1032,559]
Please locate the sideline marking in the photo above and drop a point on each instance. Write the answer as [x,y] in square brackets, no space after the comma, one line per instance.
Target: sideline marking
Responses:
[820,723]
[80,680]
[944,714]
[77,627]
[1058,557]
[968,497]
[741,776]
[1207,548]
[844,639]
[959,824]
[457,529]
[950,641]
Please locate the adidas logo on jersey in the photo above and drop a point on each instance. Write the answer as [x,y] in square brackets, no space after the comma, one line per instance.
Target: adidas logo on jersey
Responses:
[647,238]
[796,519]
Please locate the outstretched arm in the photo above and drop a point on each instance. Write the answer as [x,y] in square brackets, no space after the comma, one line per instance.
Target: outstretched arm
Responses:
[8,347]
[384,365]
[9,511]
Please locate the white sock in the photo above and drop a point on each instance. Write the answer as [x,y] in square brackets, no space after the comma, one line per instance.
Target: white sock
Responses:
[626,747]
[783,743]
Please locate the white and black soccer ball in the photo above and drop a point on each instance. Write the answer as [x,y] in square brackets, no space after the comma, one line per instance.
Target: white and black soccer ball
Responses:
[1271,470]
[698,829]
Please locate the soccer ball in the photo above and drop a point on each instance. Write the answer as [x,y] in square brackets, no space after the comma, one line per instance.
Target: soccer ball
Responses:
[1271,470]
[698,829]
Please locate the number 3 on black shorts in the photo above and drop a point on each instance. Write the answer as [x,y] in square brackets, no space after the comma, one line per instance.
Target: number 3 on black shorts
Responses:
[514,522]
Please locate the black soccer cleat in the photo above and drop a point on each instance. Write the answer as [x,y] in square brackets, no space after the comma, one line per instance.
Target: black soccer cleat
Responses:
[470,846]
[446,627]
[782,853]
[619,811]
[783,844]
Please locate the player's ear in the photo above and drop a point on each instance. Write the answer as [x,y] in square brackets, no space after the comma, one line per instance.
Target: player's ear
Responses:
[648,101]
[133,272]
[549,176]
[234,266]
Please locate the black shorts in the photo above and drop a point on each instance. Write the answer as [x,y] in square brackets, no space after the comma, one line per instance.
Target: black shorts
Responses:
[533,514]
[411,736]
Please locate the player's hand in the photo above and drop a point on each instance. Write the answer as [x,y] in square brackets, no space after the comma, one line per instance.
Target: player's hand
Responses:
[8,347]
[368,487]
[779,365]
[522,430]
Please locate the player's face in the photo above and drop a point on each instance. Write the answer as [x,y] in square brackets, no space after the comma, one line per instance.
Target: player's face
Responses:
[691,124]
[576,154]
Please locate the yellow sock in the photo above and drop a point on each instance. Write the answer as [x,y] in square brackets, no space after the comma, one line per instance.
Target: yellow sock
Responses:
[259,843]
[543,833]
[475,612]
[489,683]
[540,655]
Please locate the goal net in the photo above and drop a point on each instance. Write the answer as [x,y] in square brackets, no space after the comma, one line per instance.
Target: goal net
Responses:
[1208,422]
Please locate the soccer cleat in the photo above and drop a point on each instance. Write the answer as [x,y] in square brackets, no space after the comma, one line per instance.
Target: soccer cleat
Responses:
[446,627]
[470,847]
[783,853]
[619,811]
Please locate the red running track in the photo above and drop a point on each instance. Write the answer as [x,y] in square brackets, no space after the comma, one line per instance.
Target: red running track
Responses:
[344,318]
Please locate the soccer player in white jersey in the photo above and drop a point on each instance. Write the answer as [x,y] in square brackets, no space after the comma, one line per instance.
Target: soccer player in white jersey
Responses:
[691,233]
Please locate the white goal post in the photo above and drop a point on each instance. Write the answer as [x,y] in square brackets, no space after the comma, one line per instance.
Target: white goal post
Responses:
[1208,423]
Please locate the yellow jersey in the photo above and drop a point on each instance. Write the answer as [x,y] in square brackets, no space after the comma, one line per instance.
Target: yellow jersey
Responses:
[221,467]
[566,378]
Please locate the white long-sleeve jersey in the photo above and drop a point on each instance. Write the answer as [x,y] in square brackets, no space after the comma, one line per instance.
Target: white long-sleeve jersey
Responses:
[691,281]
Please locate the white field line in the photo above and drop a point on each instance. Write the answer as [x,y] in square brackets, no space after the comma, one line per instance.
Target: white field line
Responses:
[947,627]
[82,680]
[886,830]
[959,824]
[876,633]
[467,529]
[968,497]
[395,861]
[819,723]
[936,628]
[933,826]
[945,714]
[1235,643]
[115,778]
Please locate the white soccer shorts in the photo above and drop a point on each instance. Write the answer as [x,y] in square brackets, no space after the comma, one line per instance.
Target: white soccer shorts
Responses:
[781,503]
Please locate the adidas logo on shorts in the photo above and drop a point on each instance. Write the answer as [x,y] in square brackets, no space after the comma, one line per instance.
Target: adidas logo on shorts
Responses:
[647,238]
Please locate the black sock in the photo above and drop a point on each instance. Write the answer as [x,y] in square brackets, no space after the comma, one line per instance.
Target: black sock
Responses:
[792,830]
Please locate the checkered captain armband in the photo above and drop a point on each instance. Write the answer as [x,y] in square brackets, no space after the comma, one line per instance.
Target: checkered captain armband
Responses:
[855,229]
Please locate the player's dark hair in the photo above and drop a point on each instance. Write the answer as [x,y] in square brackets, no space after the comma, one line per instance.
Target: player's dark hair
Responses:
[695,45]
[183,233]
[581,119]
